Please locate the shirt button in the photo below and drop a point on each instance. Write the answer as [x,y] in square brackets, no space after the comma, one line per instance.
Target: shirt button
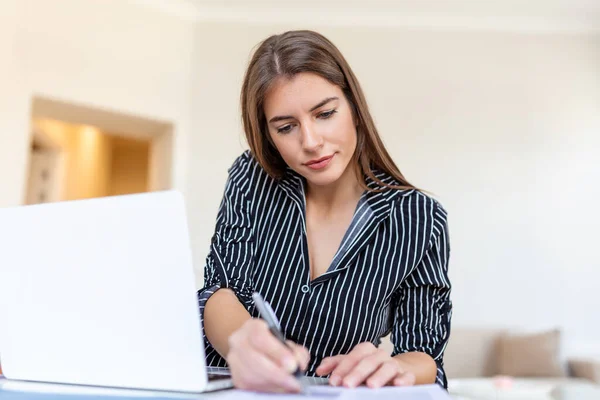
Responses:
[305,289]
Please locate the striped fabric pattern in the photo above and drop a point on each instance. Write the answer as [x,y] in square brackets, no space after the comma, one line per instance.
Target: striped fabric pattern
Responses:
[389,275]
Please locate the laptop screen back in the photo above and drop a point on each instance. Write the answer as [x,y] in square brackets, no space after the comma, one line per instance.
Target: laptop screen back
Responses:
[100,292]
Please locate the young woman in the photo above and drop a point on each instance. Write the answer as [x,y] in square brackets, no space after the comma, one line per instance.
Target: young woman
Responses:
[318,219]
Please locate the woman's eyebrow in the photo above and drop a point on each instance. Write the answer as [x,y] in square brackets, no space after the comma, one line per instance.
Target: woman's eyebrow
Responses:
[321,104]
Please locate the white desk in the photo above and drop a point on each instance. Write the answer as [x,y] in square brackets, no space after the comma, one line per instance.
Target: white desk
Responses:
[10,390]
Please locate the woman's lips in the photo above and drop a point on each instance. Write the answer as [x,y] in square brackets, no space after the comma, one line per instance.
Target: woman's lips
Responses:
[320,163]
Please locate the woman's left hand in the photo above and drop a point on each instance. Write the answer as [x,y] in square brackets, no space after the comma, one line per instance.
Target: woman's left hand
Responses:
[365,364]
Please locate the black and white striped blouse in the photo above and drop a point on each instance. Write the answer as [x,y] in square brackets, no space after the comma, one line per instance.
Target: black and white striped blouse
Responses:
[390,273]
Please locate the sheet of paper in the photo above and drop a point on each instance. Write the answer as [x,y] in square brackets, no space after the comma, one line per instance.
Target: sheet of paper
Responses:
[425,392]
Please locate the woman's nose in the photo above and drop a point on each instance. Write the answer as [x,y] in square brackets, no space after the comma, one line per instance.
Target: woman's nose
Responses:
[311,140]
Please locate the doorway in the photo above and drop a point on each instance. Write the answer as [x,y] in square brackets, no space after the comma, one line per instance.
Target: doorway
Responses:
[44,183]
[82,152]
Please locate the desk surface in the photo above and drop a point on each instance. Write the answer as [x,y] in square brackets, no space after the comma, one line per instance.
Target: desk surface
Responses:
[12,390]
[18,390]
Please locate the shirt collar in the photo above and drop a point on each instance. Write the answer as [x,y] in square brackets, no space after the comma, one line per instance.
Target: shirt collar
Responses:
[379,198]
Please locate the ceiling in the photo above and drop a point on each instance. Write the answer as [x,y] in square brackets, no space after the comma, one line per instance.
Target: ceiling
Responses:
[560,15]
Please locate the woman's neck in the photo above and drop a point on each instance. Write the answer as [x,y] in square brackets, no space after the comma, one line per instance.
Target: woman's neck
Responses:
[347,189]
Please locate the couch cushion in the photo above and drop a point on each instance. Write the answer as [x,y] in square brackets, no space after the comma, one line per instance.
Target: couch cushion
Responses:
[586,368]
[530,355]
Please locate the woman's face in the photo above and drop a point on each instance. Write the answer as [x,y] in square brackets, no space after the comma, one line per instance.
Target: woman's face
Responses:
[312,126]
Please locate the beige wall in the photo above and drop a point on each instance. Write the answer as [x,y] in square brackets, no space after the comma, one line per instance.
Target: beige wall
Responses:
[92,161]
[504,128]
[97,164]
[88,155]
[161,159]
[129,166]
[14,110]
[66,49]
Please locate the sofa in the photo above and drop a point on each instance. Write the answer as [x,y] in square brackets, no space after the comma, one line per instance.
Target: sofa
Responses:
[497,364]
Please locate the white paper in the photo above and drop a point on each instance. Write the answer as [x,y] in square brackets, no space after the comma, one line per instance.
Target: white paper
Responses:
[424,392]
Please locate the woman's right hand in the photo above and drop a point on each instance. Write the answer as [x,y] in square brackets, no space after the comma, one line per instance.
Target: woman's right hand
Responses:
[258,361]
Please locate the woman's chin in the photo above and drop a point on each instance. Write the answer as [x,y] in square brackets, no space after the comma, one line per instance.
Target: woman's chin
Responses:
[324,178]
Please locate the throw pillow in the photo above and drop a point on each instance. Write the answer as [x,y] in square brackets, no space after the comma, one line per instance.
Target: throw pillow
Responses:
[531,355]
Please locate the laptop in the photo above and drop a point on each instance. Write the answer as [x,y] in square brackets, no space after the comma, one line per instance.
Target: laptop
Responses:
[101,292]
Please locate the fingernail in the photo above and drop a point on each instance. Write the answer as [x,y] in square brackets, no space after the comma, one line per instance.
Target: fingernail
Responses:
[350,383]
[290,365]
[334,380]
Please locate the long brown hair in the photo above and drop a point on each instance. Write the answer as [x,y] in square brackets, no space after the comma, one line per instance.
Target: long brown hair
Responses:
[286,55]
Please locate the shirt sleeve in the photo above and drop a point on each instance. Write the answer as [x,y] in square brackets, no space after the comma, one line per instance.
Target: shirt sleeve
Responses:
[423,310]
[230,261]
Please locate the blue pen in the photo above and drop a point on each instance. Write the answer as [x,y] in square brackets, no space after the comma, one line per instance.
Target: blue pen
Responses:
[267,313]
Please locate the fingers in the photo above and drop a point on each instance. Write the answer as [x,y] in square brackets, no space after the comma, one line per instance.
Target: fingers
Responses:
[264,375]
[365,364]
[263,341]
[384,375]
[260,362]
[348,362]
[301,354]
[369,365]
[405,379]
[328,364]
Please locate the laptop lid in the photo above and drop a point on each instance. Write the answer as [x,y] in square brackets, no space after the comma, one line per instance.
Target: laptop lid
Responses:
[100,292]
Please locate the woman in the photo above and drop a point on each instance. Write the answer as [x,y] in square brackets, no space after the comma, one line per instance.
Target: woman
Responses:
[318,219]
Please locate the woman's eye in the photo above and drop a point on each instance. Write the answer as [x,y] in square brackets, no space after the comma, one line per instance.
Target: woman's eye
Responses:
[284,129]
[327,114]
